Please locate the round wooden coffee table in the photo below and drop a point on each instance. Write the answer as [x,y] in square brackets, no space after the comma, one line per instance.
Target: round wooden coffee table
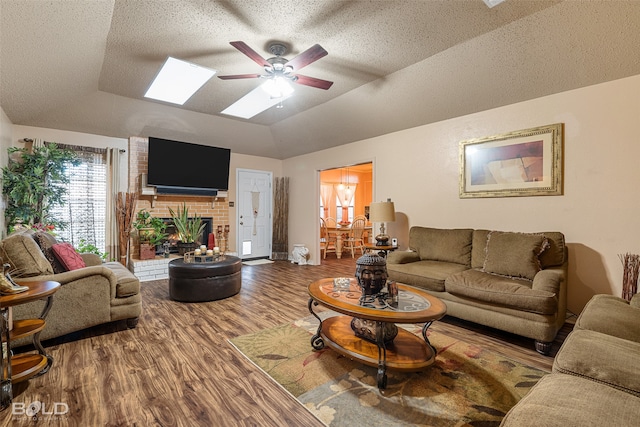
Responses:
[404,351]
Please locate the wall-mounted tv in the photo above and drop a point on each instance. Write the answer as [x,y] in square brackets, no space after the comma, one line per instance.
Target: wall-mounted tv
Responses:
[176,167]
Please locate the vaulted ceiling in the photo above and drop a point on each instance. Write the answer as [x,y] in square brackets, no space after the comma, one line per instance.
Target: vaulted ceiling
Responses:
[85,65]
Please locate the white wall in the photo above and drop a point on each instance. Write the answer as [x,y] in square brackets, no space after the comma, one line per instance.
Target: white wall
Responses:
[418,169]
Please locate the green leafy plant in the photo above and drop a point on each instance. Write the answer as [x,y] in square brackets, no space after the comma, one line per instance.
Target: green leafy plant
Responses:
[85,247]
[189,230]
[151,229]
[34,182]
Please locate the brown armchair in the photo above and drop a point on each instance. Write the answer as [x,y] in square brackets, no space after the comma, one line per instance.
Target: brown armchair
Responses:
[89,296]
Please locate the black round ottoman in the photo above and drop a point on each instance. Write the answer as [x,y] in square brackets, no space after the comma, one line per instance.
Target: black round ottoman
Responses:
[204,281]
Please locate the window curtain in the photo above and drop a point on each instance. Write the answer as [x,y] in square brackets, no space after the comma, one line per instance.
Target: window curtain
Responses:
[345,194]
[280,243]
[113,183]
[326,194]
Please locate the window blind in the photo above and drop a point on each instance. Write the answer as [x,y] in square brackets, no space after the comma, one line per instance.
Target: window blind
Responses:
[84,209]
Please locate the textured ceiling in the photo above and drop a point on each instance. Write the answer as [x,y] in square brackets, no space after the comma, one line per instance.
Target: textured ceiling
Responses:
[84,65]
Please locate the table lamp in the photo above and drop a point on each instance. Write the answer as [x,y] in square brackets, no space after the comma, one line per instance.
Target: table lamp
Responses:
[382,212]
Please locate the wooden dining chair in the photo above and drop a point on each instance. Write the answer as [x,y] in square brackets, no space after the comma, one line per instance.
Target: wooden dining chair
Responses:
[355,240]
[327,242]
[330,222]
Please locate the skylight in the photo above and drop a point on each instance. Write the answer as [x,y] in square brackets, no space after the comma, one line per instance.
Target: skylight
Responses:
[492,3]
[253,103]
[177,81]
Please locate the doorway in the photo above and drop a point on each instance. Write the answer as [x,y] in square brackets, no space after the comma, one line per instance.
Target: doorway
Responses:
[345,193]
[254,223]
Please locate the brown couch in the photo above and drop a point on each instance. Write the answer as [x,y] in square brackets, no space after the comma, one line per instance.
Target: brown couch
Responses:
[516,282]
[89,296]
[595,380]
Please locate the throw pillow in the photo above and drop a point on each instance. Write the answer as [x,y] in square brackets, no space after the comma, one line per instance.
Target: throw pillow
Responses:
[68,256]
[46,241]
[25,257]
[514,254]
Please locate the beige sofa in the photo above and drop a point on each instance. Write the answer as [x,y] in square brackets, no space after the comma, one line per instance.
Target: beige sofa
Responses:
[516,282]
[96,294]
[595,380]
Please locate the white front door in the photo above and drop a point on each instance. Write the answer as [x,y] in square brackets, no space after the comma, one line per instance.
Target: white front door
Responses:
[254,213]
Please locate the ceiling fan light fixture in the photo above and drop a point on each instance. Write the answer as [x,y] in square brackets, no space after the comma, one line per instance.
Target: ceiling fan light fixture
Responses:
[277,87]
[177,81]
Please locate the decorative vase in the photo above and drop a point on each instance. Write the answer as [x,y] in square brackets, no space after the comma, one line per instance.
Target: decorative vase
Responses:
[186,247]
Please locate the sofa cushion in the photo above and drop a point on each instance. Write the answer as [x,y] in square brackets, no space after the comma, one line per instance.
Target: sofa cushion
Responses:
[25,257]
[448,245]
[612,316]
[127,284]
[559,400]
[429,275]
[45,241]
[514,254]
[479,251]
[68,256]
[602,358]
[503,291]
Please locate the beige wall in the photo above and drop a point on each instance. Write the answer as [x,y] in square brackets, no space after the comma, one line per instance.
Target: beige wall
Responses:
[418,169]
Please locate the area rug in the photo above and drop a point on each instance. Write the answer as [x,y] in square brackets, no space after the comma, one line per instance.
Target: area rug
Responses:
[466,386]
[257,262]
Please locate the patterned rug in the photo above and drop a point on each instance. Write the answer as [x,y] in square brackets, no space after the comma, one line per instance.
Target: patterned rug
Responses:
[466,386]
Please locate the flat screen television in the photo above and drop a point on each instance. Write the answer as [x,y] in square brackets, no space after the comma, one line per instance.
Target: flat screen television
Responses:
[176,167]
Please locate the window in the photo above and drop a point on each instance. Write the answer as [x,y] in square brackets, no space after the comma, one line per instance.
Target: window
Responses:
[341,211]
[85,207]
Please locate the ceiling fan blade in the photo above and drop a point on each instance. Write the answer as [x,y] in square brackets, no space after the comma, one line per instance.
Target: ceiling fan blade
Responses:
[255,56]
[239,76]
[307,57]
[313,82]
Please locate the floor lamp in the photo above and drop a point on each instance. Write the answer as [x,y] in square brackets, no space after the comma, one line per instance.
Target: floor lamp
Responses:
[382,212]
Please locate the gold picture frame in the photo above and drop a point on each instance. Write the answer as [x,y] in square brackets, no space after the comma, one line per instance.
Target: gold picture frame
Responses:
[522,163]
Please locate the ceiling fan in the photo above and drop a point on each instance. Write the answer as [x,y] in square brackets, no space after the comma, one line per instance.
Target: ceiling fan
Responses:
[279,72]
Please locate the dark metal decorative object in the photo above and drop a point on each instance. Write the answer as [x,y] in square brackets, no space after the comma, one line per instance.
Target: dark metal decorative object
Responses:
[371,272]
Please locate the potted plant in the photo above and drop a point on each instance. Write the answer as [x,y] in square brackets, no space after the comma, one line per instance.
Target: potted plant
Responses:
[151,232]
[189,229]
[34,182]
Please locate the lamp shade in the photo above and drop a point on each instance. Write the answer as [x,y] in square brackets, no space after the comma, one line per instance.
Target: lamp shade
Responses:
[382,212]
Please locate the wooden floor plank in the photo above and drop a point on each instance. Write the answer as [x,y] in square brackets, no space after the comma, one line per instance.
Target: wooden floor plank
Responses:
[177,367]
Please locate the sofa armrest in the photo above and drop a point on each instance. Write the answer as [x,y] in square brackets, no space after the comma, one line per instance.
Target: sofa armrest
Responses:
[402,257]
[635,301]
[549,280]
[91,259]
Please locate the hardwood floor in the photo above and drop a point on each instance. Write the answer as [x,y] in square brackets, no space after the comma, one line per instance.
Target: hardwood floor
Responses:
[178,369]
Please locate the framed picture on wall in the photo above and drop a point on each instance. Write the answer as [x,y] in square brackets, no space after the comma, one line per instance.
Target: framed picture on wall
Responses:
[523,163]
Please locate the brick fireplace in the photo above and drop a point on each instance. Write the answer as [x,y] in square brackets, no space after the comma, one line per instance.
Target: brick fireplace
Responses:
[216,210]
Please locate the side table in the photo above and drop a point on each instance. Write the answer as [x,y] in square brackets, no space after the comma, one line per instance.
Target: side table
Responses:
[382,250]
[24,366]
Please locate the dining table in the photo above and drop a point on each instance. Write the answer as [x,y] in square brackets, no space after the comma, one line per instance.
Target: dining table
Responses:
[342,232]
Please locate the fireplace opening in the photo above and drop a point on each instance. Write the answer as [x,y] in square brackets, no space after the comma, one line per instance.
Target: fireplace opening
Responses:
[172,234]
